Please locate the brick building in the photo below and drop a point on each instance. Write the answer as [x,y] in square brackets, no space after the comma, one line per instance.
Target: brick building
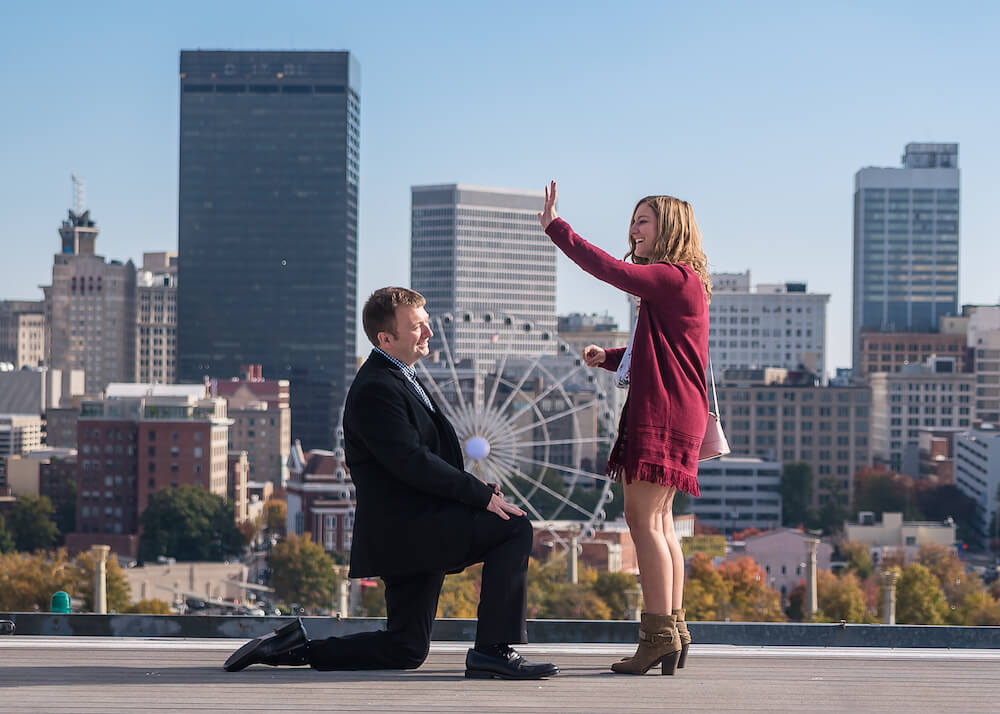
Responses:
[889,351]
[137,440]
[321,498]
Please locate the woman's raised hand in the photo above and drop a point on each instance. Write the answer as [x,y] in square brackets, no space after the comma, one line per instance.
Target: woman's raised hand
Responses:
[594,356]
[548,213]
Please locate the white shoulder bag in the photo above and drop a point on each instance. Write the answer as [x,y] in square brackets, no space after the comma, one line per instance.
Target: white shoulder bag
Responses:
[715,443]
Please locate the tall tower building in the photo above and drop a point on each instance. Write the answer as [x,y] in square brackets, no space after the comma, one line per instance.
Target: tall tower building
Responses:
[268,219]
[156,319]
[90,308]
[479,254]
[906,243]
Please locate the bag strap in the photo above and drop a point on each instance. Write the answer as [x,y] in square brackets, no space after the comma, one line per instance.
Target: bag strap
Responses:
[715,394]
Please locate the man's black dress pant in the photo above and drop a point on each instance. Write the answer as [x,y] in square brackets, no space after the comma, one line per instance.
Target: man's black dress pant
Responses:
[411,603]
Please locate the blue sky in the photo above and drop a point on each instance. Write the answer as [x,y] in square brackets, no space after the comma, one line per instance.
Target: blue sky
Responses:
[757,113]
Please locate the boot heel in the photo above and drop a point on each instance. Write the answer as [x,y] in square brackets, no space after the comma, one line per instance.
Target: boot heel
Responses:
[668,665]
[683,657]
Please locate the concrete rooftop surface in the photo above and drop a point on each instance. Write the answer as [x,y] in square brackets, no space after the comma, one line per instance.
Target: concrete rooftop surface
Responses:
[101,674]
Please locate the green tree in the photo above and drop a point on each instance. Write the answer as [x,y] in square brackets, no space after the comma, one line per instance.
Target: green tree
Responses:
[189,523]
[831,514]
[881,491]
[373,599]
[30,521]
[796,493]
[947,501]
[919,600]
[6,537]
[65,515]
[858,557]
[302,572]
[840,597]
[117,589]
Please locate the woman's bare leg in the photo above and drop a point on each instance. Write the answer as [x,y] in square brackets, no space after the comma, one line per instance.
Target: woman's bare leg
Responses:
[645,504]
[676,553]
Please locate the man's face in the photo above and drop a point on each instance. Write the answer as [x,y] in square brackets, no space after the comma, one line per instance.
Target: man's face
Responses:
[413,330]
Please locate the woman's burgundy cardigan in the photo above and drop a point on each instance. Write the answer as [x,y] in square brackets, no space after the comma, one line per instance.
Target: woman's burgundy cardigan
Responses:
[667,406]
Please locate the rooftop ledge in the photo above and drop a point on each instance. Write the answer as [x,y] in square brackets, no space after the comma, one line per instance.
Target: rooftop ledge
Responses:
[763,634]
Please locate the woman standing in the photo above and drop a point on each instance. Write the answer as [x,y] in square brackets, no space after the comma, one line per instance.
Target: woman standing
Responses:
[664,417]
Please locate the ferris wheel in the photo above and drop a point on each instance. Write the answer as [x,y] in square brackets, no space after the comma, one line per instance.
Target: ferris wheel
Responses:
[541,426]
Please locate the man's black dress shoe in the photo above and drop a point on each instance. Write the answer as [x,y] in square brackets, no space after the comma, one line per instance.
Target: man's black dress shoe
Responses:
[507,663]
[286,645]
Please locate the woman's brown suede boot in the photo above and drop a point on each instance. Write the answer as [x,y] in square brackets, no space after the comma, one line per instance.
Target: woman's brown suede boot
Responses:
[659,644]
[682,630]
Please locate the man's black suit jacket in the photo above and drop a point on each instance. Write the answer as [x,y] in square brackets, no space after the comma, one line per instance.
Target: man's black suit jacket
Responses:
[415,502]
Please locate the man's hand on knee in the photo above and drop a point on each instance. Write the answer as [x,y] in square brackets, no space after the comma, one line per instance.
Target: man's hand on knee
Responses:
[503,509]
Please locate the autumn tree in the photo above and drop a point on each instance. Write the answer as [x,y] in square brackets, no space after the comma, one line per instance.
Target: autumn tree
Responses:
[30,522]
[736,590]
[117,589]
[551,595]
[27,580]
[460,593]
[276,516]
[858,557]
[149,606]
[840,597]
[302,572]
[750,598]
[919,600]
[612,588]
[705,591]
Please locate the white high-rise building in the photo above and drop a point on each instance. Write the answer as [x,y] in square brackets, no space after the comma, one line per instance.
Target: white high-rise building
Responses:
[977,474]
[480,255]
[906,243]
[984,341]
[156,319]
[930,395]
[90,307]
[774,325]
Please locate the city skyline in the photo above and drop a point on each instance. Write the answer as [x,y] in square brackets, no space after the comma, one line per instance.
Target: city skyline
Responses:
[788,104]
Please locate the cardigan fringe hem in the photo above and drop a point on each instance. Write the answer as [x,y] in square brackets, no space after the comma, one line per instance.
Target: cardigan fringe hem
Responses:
[658,474]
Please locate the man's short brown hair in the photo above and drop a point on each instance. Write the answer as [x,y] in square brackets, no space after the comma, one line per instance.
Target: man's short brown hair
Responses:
[379,312]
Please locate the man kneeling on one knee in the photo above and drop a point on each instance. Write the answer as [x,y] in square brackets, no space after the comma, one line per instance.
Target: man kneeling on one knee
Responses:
[419,516]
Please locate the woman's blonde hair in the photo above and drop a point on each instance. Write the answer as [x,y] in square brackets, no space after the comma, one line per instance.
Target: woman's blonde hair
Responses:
[678,238]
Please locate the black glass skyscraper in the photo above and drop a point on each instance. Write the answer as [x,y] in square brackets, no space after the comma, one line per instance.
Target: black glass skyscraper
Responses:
[268,224]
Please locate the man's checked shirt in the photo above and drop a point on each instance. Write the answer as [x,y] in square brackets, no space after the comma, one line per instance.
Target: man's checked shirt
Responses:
[411,377]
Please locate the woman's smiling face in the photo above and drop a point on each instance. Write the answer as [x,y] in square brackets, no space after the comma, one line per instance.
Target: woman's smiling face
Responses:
[642,232]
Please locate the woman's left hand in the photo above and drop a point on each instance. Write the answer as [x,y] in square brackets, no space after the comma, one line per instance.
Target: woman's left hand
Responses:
[548,213]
